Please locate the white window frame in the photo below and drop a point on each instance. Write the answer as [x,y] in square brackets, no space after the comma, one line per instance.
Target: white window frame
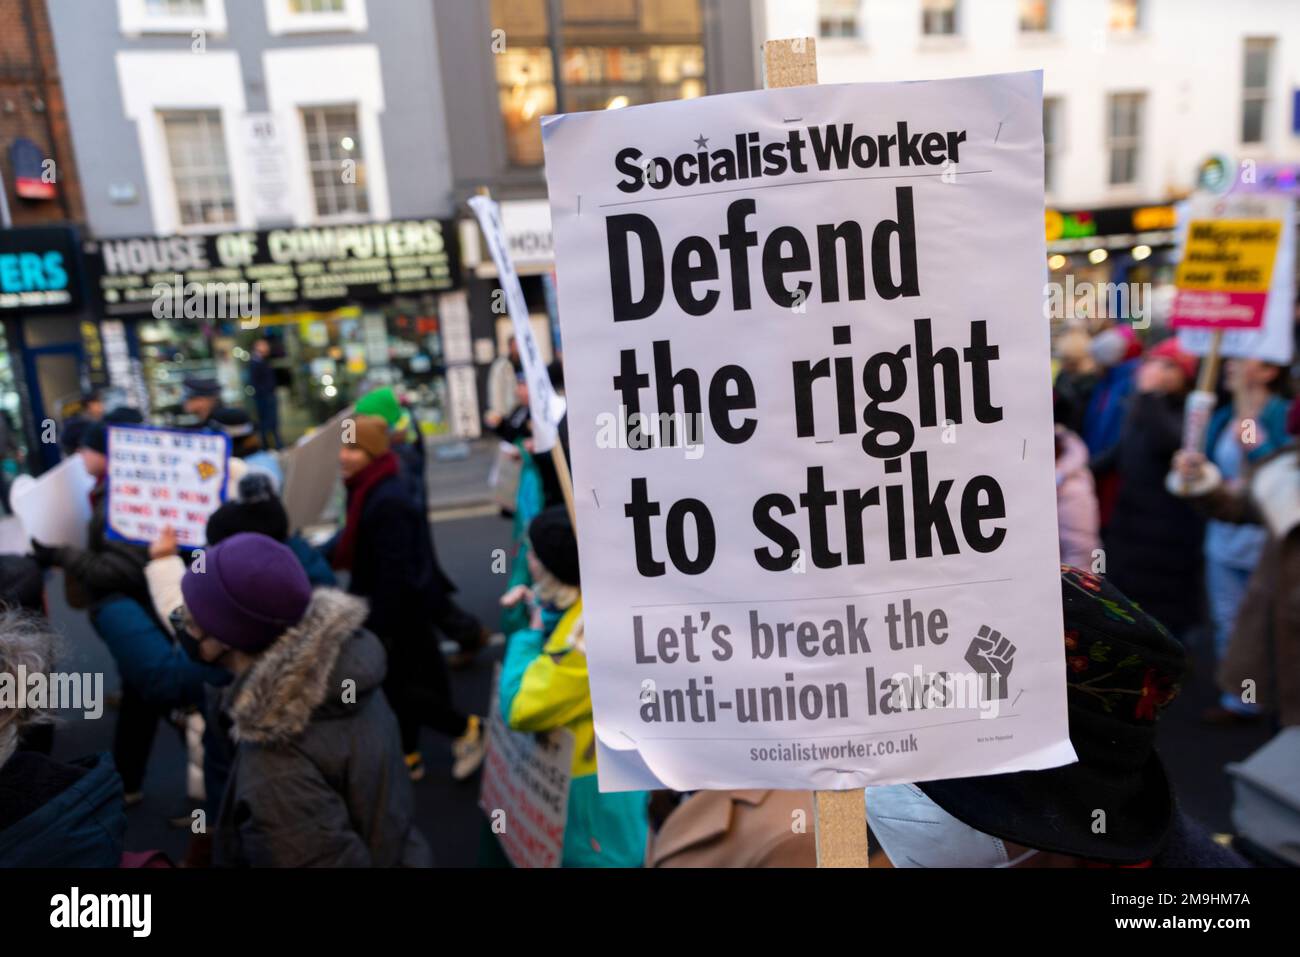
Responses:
[213,81]
[134,19]
[281,20]
[305,77]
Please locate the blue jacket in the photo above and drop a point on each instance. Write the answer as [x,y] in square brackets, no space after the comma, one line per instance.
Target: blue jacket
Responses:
[1272,434]
[147,659]
[56,814]
[1104,419]
[313,563]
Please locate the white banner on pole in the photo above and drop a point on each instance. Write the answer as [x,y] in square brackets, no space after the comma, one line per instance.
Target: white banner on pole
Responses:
[546,406]
[812,438]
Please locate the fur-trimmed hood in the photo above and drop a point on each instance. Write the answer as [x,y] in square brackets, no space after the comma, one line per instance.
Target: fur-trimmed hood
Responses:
[301,675]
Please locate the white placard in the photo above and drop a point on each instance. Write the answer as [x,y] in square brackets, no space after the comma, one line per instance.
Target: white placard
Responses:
[526,788]
[55,508]
[546,406]
[878,524]
[311,472]
[159,478]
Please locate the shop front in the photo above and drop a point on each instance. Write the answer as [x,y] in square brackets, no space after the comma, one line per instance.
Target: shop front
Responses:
[343,308]
[50,354]
[1113,264]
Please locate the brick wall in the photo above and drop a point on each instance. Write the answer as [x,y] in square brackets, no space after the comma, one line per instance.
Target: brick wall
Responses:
[32,107]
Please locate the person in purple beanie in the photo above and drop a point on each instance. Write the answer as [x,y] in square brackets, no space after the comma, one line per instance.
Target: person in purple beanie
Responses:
[318,778]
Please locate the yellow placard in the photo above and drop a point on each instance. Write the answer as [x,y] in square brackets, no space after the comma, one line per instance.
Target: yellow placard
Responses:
[1229,255]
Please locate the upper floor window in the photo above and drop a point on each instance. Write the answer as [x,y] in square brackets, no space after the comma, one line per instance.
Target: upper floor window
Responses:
[196,150]
[137,17]
[1254,89]
[316,16]
[837,18]
[939,18]
[175,8]
[336,161]
[1035,16]
[1124,16]
[1124,137]
[591,55]
[1051,141]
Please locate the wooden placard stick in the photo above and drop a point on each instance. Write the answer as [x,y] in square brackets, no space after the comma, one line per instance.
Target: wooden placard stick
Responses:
[840,817]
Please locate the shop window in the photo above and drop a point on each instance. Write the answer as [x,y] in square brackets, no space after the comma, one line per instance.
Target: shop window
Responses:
[336,161]
[1051,140]
[1124,134]
[196,149]
[1124,16]
[939,18]
[1254,103]
[837,18]
[1035,16]
[604,54]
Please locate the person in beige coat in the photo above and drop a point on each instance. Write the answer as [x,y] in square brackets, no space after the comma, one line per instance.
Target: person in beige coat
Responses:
[737,829]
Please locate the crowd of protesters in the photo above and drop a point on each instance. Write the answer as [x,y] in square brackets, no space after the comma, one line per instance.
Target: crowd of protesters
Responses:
[301,678]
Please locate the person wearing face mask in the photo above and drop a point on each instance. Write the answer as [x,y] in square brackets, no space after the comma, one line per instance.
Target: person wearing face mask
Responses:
[318,778]
[1114,807]
[544,686]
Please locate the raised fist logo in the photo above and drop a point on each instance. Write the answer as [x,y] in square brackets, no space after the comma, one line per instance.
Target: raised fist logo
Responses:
[992,655]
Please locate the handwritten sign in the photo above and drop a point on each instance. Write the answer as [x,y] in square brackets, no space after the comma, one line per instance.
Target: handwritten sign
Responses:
[525,791]
[159,478]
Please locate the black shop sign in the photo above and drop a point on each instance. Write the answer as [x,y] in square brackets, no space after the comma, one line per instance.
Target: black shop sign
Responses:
[309,267]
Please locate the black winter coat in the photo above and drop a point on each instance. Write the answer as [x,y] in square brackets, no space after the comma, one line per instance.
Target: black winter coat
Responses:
[1153,544]
[394,565]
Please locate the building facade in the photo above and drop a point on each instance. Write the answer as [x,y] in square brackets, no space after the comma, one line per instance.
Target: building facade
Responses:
[508,63]
[266,168]
[1131,116]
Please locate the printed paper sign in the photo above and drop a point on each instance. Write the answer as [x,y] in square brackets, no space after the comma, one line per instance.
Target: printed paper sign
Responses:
[1272,339]
[159,478]
[1225,273]
[812,434]
[525,791]
[546,406]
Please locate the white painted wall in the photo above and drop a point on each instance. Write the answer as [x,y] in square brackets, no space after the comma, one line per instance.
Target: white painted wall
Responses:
[1187,60]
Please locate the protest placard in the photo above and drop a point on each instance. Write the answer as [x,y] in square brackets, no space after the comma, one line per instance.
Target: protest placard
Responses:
[525,789]
[812,434]
[1224,275]
[55,508]
[546,406]
[1239,225]
[311,472]
[159,478]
